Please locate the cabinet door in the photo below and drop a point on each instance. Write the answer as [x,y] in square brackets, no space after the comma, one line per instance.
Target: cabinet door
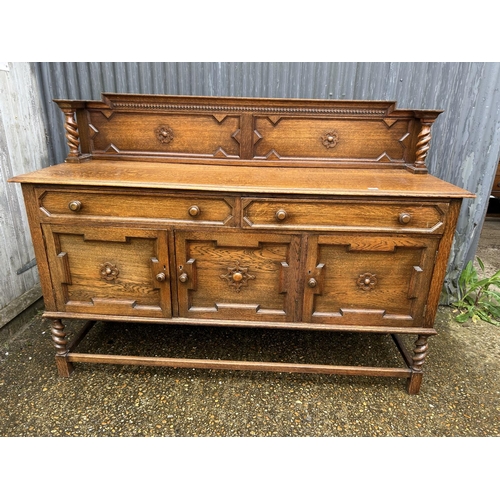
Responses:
[109,270]
[368,280]
[231,276]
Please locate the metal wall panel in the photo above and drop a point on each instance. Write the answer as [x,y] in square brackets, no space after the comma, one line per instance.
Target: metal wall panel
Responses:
[466,140]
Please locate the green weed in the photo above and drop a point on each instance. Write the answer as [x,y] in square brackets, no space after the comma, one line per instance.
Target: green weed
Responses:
[478,297]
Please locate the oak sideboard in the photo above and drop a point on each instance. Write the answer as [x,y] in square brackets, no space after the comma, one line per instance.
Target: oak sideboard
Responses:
[244,212]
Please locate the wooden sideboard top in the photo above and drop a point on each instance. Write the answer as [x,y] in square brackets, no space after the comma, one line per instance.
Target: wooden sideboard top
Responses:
[250,131]
[245,179]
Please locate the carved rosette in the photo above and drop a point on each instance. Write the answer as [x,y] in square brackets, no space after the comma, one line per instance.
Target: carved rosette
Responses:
[164,134]
[109,271]
[367,282]
[330,139]
[237,276]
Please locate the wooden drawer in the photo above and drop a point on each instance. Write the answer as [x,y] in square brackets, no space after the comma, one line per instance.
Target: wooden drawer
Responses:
[166,207]
[420,217]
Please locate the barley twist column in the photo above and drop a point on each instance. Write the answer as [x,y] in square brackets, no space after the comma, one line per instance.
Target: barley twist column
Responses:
[58,337]
[418,358]
[72,134]
[420,352]
[423,145]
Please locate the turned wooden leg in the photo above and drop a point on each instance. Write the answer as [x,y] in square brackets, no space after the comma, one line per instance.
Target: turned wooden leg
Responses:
[418,358]
[58,337]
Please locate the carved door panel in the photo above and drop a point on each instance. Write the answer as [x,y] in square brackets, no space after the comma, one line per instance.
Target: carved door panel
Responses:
[368,280]
[230,276]
[109,270]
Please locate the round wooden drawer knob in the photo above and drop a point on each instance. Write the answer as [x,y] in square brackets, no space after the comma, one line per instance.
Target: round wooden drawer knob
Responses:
[183,278]
[75,205]
[312,283]
[281,215]
[161,277]
[404,218]
[237,276]
[194,211]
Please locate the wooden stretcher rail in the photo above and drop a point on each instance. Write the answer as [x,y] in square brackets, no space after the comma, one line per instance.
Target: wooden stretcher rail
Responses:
[217,364]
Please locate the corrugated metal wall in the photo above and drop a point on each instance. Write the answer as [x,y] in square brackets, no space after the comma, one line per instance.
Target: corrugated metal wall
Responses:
[466,139]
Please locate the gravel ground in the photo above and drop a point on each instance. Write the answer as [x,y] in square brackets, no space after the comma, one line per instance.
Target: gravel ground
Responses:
[460,394]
